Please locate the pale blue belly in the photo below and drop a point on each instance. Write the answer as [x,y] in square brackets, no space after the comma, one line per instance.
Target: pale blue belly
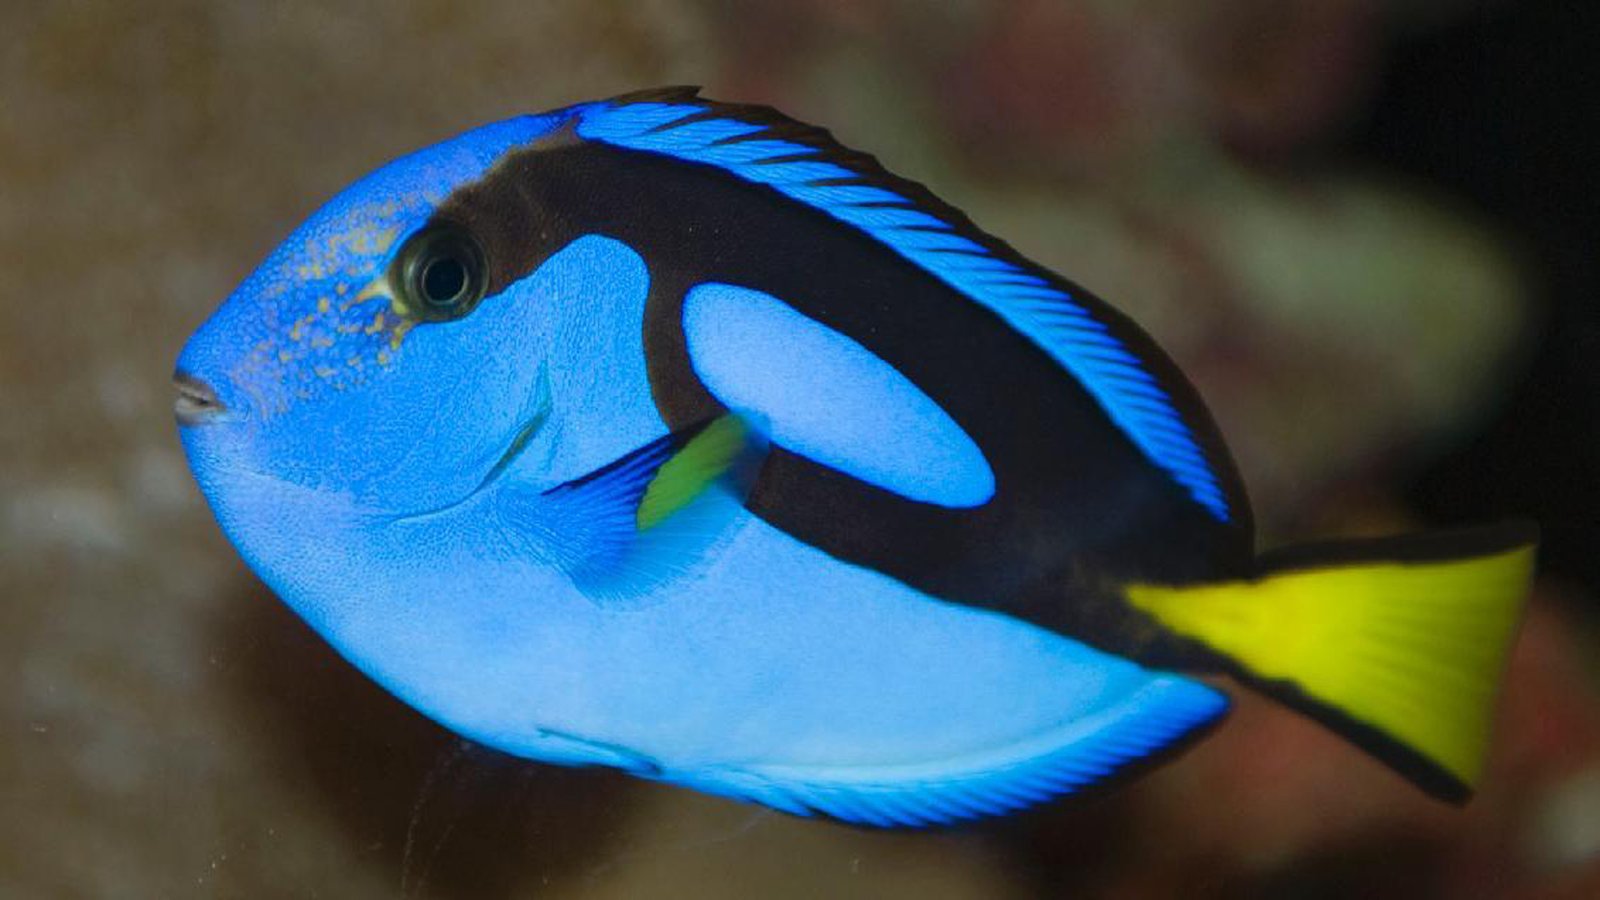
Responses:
[773,654]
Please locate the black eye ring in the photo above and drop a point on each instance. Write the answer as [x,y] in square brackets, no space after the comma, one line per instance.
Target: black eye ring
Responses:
[440,274]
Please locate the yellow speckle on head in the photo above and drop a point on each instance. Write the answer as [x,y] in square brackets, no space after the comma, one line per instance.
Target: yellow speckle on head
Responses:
[325,371]
[377,288]
[383,357]
[297,332]
[399,334]
[322,342]
[284,356]
[323,305]
[377,324]
[341,289]
[353,362]
[369,241]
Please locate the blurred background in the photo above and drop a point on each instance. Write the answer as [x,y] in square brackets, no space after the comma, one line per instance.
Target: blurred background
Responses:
[1366,228]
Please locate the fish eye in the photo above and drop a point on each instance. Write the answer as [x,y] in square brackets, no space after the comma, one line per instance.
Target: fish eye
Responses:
[440,274]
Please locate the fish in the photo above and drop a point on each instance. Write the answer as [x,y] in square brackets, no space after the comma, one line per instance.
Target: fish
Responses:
[670,435]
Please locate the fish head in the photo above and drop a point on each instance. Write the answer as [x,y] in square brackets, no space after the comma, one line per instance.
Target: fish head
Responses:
[370,360]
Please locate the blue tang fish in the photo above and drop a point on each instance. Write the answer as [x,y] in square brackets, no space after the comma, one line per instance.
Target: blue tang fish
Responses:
[670,435]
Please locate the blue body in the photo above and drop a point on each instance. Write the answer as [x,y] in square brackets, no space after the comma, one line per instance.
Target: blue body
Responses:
[362,469]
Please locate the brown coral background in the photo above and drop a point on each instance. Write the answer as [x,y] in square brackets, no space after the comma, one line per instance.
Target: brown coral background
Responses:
[1365,227]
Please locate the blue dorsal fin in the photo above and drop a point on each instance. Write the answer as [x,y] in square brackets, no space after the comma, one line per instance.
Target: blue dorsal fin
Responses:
[1155,716]
[647,515]
[1113,360]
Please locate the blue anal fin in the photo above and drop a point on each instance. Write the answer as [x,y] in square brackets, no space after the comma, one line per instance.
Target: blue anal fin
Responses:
[1060,761]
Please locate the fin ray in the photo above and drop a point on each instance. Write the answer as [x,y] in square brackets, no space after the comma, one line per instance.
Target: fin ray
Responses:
[1158,716]
[1397,644]
[646,516]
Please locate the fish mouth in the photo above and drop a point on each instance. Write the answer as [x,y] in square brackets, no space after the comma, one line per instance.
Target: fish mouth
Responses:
[196,402]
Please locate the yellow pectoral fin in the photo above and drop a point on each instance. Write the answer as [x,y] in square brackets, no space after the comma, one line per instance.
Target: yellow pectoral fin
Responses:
[1410,651]
[710,455]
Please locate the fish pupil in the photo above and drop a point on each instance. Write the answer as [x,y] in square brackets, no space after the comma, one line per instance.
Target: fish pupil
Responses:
[440,274]
[444,279]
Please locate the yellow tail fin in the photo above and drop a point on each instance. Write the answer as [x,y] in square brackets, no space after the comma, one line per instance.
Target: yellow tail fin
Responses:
[1397,644]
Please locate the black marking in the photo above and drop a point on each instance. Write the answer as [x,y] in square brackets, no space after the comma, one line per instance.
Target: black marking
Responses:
[1428,547]
[1078,507]
[1433,779]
